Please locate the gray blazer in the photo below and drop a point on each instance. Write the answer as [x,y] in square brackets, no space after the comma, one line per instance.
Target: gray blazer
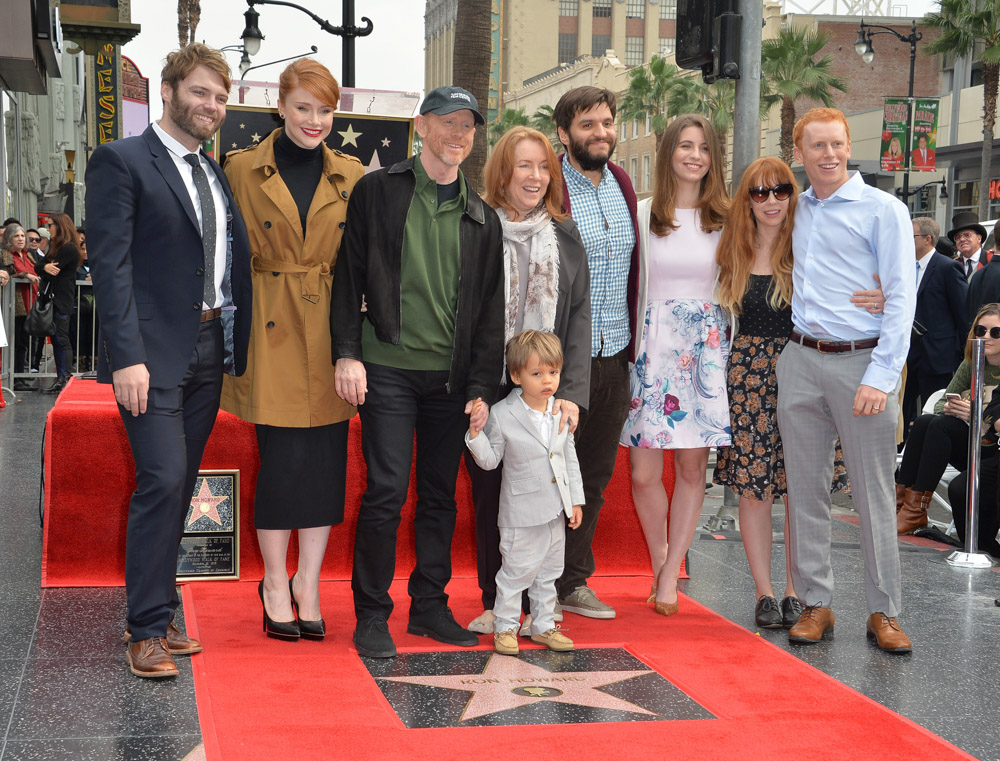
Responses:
[536,477]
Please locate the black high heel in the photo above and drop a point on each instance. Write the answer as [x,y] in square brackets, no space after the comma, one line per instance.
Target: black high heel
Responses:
[288,630]
[309,629]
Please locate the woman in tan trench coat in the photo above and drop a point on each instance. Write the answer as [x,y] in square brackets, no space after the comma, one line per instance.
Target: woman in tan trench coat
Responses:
[293,192]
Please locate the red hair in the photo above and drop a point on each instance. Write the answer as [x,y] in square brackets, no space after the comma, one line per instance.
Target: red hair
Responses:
[735,253]
[500,167]
[313,77]
[819,115]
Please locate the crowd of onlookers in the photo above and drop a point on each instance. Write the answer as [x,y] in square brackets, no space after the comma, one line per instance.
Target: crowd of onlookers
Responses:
[39,269]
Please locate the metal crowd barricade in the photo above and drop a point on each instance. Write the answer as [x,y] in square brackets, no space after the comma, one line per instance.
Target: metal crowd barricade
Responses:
[86,352]
[971,558]
[7,353]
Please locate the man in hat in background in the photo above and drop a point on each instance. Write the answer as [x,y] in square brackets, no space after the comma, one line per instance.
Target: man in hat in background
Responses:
[426,254]
[968,236]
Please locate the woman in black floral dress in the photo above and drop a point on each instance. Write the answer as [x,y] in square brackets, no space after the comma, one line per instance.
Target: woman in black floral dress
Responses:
[755,284]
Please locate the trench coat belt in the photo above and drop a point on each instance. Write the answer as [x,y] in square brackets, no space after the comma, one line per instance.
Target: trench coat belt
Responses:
[310,283]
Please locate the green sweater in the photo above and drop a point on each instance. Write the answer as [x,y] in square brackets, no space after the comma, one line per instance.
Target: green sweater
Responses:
[961,383]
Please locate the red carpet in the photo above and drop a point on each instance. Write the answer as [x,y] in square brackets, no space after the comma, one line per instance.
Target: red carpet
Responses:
[264,699]
[90,476]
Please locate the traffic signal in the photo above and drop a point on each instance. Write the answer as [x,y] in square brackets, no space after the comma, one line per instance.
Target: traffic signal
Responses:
[708,38]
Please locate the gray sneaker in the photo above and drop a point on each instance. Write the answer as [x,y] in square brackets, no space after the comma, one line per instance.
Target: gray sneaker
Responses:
[584,602]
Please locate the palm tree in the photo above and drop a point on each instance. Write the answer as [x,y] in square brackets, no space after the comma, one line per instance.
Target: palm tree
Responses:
[508,118]
[648,93]
[716,102]
[471,70]
[188,16]
[964,26]
[790,69]
[544,121]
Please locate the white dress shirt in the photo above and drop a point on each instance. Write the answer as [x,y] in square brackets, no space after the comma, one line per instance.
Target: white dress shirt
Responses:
[177,153]
[922,263]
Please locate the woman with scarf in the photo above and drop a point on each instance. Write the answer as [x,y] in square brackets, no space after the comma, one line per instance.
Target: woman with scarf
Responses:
[547,288]
[22,265]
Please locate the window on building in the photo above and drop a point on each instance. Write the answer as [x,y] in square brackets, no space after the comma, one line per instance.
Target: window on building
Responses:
[600,45]
[635,9]
[602,9]
[623,136]
[634,173]
[645,172]
[633,51]
[648,123]
[635,128]
[569,7]
[567,47]
[667,46]
[668,9]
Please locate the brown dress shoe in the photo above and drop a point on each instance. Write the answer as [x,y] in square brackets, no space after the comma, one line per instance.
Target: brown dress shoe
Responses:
[900,493]
[178,643]
[812,624]
[887,634]
[913,514]
[149,658]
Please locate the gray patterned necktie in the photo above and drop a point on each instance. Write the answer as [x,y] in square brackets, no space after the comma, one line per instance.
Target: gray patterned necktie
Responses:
[207,225]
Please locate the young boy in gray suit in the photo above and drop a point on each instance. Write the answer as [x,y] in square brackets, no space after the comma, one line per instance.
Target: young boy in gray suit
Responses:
[541,484]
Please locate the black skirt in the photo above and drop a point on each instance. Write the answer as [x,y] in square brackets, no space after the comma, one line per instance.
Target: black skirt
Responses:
[302,477]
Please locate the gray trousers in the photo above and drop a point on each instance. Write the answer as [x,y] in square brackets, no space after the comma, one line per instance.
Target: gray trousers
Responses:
[532,560]
[815,405]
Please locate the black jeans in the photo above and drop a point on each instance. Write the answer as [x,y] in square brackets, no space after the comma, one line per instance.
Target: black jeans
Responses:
[935,441]
[167,443]
[399,403]
[597,437]
[989,505]
[61,347]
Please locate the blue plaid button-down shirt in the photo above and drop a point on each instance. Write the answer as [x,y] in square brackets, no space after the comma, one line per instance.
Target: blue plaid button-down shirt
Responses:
[606,227]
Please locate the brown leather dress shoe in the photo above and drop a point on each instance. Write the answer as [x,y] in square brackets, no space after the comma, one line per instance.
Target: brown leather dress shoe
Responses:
[149,658]
[178,643]
[814,622]
[887,634]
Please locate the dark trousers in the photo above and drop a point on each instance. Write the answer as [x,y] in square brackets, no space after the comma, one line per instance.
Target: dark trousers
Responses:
[167,443]
[989,505]
[935,442]
[62,350]
[919,387]
[400,403]
[596,437]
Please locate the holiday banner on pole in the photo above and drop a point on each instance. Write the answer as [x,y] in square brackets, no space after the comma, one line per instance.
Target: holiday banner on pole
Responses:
[925,125]
[894,134]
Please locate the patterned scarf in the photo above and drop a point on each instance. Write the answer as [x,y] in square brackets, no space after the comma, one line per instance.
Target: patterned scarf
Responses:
[538,231]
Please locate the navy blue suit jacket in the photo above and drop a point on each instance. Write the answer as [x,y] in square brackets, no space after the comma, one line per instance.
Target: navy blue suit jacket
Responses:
[941,300]
[147,261]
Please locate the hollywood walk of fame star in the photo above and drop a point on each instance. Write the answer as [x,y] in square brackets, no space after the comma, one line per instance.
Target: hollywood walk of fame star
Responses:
[385,142]
[350,136]
[509,682]
[255,137]
[205,504]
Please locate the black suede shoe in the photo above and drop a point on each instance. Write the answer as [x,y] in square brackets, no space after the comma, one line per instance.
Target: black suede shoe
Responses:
[372,638]
[766,613]
[442,626]
[791,609]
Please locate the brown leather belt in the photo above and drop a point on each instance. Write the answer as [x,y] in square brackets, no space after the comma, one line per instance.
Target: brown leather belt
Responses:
[833,347]
[210,314]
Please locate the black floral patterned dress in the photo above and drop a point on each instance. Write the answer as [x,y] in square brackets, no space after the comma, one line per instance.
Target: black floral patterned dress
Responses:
[754,465]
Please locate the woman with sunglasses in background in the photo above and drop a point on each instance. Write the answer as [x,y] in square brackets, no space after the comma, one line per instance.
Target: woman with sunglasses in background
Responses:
[942,439]
[755,286]
[678,382]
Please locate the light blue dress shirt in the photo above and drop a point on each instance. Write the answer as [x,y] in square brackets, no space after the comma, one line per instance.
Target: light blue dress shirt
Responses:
[839,243]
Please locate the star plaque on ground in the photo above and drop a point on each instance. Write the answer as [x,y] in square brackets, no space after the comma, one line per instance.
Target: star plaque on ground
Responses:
[210,545]
[481,688]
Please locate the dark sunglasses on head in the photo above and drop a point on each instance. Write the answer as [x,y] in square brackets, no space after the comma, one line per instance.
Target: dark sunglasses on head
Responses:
[980,330]
[781,192]
[34,240]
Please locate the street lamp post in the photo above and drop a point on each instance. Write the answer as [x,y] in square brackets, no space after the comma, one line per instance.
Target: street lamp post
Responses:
[252,35]
[863,47]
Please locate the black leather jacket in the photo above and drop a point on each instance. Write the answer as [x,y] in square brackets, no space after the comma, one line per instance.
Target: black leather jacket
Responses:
[368,265]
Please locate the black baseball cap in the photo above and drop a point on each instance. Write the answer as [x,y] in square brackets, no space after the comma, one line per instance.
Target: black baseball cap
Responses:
[445,100]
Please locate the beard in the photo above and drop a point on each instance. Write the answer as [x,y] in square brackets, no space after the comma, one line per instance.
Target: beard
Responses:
[182,114]
[588,161]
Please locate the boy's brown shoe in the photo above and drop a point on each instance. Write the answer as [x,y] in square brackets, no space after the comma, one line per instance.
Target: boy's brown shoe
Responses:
[505,642]
[554,639]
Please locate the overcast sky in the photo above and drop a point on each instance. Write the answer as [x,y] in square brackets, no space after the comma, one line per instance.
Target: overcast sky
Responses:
[390,58]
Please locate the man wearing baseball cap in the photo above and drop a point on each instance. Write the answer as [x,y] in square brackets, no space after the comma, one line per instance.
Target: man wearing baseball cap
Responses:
[426,254]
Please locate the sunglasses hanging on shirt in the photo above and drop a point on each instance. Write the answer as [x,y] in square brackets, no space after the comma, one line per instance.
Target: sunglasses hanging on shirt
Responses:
[980,331]
[781,192]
